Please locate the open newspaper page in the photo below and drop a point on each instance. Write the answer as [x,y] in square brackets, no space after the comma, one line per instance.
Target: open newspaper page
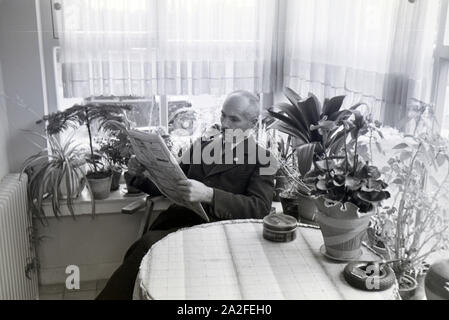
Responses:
[162,167]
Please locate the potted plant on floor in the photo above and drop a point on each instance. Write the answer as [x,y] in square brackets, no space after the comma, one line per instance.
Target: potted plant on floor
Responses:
[296,120]
[416,224]
[56,173]
[88,115]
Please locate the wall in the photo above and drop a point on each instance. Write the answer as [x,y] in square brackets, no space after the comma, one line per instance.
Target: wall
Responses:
[97,246]
[4,134]
[48,45]
[22,78]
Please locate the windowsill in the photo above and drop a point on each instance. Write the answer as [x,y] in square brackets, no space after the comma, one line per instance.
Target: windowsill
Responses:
[113,204]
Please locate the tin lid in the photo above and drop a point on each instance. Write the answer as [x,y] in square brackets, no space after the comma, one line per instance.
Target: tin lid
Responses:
[280,222]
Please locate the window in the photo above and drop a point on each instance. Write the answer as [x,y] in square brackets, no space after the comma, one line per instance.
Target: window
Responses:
[170,52]
[189,116]
[441,86]
[146,52]
[184,117]
[151,47]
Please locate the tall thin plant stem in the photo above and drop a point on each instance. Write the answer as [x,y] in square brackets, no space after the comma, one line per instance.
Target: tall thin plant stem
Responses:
[355,152]
[346,150]
[399,234]
[90,138]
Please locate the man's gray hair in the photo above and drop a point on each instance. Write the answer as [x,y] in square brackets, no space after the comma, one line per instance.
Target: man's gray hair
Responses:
[252,112]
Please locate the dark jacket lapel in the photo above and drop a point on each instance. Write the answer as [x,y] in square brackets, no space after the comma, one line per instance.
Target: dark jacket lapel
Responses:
[220,168]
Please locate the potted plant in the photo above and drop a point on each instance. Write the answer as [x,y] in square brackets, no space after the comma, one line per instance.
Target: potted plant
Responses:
[288,197]
[100,175]
[347,189]
[118,151]
[52,170]
[291,195]
[415,224]
[437,281]
[284,155]
[296,120]
[126,152]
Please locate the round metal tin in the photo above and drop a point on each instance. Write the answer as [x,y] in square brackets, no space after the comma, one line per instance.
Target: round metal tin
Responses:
[279,228]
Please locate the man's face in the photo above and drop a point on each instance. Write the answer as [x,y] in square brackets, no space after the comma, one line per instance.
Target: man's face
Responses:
[233,115]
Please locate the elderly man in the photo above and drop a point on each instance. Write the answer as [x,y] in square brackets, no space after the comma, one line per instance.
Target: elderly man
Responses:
[237,190]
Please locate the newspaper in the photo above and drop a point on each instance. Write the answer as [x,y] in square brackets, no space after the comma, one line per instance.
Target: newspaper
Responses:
[161,167]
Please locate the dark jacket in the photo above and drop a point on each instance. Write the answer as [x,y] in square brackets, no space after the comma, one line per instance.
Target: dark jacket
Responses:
[240,191]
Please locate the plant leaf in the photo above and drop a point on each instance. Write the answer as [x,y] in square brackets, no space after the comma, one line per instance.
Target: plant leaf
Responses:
[340,115]
[354,107]
[434,181]
[401,146]
[295,113]
[321,185]
[309,108]
[293,125]
[379,148]
[441,159]
[405,155]
[292,96]
[352,183]
[333,105]
[69,186]
[305,157]
[288,130]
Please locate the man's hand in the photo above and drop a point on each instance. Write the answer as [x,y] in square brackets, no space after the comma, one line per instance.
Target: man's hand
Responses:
[134,167]
[195,191]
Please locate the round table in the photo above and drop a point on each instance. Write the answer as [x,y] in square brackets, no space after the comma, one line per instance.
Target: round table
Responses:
[232,260]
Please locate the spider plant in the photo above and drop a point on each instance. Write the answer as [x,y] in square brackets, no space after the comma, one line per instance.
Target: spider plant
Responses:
[48,171]
[87,115]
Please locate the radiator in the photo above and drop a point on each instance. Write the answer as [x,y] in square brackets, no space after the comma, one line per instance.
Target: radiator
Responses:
[15,249]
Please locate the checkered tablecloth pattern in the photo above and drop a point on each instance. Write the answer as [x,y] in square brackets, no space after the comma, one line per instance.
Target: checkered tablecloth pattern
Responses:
[232,260]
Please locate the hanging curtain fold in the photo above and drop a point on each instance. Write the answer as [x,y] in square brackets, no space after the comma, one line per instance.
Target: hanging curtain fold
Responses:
[377,51]
[178,47]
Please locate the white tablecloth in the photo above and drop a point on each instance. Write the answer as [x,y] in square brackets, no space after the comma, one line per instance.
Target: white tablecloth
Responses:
[232,260]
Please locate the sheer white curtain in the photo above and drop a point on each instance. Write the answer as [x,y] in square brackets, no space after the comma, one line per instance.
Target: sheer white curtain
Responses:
[378,51]
[146,47]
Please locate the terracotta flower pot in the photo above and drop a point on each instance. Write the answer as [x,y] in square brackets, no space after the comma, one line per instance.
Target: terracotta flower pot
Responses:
[290,207]
[131,190]
[407,287]
[116,175]
[100,184]
[343,228]
[307,209]
[420,293]
[281,182]
[376,244]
